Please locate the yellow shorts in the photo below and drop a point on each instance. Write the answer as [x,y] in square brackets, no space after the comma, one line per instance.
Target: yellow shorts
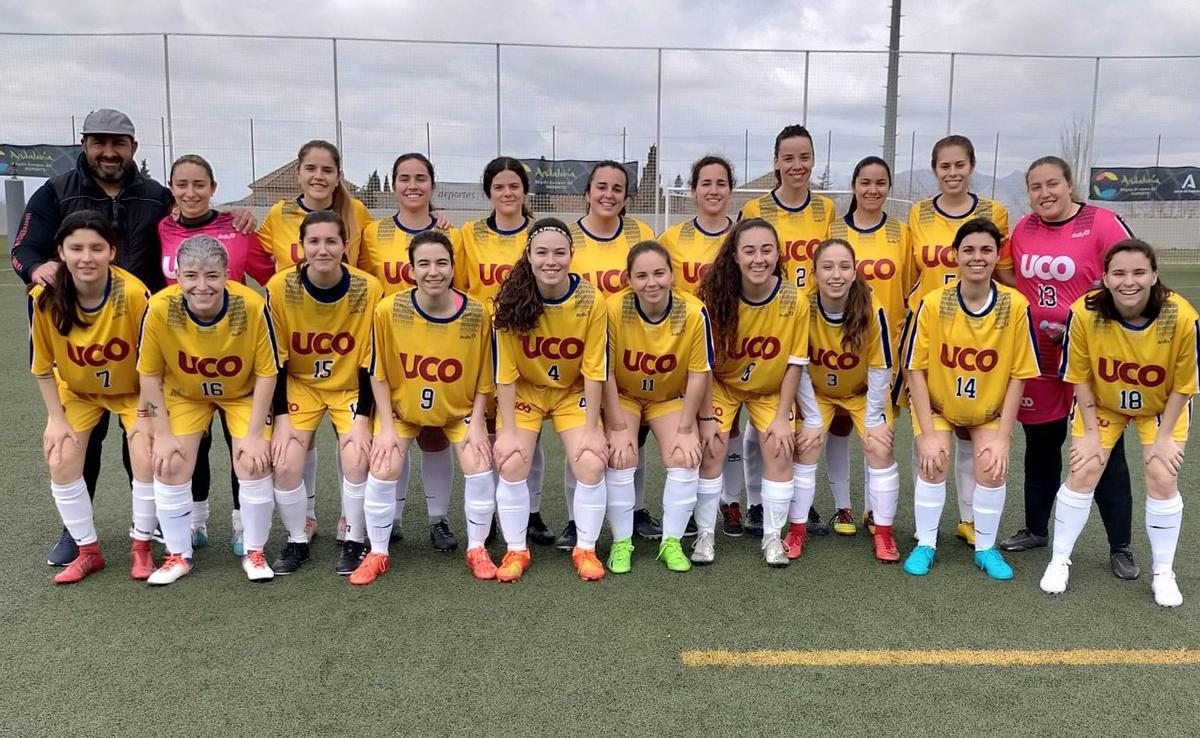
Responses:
[188,416]
[762,408]
[1112,425]
[566,407]
[855,406]
[647,410]
[940,423]
[306,407]
[84,411]
[455,429]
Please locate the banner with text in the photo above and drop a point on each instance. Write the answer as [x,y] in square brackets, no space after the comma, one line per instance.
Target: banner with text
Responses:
[1145,184]
[568,176]
[40,160]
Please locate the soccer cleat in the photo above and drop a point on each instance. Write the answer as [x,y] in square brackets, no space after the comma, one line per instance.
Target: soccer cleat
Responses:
[352,554]
[885,544]
[775,551]
[920,560]
[200,535]
[538,531]
[797,536]
[442,537]
[754,521]
[171,570]
[89,561]
[480,563]
[645,526]
[566,541]
[869,522]
[342,526]
[1054,580]
[731,520]
[310,528]
[965,532]
[815,525]
[1122,563]
[670,552]
[513,566]
[291,558]
[64,551]
[1166,590]
[620,556]
[141,561]
[1023,540]
[843,522]
[990,560]
[703,550]
[587,565]
[691,530]
[371,567]
[254,563]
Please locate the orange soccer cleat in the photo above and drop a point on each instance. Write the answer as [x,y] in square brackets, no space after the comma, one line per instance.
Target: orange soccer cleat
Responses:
[480,563]
[141,561]
[88,561]
[797,536]
[371,567]
[513,566]
[885,545]
[587,565]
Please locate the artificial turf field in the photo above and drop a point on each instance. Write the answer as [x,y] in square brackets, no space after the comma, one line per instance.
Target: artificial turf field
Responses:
[428,650]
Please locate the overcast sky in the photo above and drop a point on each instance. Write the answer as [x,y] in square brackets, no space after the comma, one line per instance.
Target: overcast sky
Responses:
[712,102]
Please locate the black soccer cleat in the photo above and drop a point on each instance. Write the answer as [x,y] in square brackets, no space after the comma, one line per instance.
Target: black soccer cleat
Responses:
[645,526]
[754,521]
[567,540]
[539,532]
[816,526]
[1023,540]
[691,530]
[442,537]
[64,552]
[1123,565]
[290,559]
[352,555]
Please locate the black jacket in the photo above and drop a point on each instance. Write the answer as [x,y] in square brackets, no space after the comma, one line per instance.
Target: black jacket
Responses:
[135,212]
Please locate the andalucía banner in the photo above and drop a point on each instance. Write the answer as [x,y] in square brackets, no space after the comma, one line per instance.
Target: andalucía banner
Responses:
[40,160]
[1145,184]
[568,176]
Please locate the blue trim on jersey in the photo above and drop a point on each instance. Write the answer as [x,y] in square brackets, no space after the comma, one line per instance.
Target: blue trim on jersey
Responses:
[807,201]
[849,218]
[1066,348]
[29,299]
[413,296]
[573,280]
[271,337]
[1033,342]
[307,209]
[142,333]
[883,336]
[974,206]
[214,321]
[722,232]
[432,223]
[710,350]
[1196,338]
[1134,328]
[103,300]
[912,323]
[496,364]
[374,355]
[594,237]
[828,318]
[769,297]
[490,221]
[993,294]
[638,305]
[326,295]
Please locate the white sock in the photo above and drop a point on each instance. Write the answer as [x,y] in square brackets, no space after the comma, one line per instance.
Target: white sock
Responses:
[928,501]
[1163,518]
[173,506]
[512,504]
[837,468]
[569,485]
[145,517]
[639,483]
[884,485]
[437,475]
[290,503]
[734,474]
[310,484]
[1071,511]
[537,475]
[777,498]
[620,501]
[479,498]
[868,505]
[804,482]
[752,463]
[257,498]
[708,499]
[353,496]
[199,513]
[379,509]
[589,512]
[679,499]
[401,495]
[75,508]
[987,508]
[964,476]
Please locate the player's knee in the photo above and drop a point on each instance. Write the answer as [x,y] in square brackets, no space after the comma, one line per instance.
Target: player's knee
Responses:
[985,478]
[1161,482]
[879,458]
[589,469]
[514,468]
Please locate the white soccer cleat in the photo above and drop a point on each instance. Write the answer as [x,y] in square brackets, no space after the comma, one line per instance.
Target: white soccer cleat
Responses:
[1054,581]
[254,563]
[774,552]
[1166,591]
[172,569]
[704,549]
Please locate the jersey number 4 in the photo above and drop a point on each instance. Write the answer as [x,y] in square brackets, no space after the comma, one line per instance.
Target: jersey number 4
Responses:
[964,387]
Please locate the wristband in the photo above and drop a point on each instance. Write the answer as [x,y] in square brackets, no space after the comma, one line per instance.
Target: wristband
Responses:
[707,418]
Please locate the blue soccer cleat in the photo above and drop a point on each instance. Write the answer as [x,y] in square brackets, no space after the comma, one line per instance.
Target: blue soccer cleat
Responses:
[993,563]
[920,560]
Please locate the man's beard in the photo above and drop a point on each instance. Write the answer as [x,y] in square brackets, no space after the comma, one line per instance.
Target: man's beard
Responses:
[99,174]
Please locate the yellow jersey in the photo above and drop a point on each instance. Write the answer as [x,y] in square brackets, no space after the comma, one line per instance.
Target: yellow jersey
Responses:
[771,335]
[569,342]
[208,360]
[650,360]
[969,358]
[601,261]
[885,261]
[800,230]
[1132,370]
[384,252]
[324,335]
[101,358]
[692,251]
[835,370]
[434,366]
[279,232]
[931,233]
[488,255]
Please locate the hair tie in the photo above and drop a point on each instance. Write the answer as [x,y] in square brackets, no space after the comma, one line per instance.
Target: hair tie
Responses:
[549,227]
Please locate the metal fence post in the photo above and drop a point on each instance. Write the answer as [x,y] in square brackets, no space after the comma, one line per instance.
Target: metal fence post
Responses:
[804,110]
[950,97]
[170,132]
[658,162]
[995,164]
[253,173]
[337,108]
[498,142]
[1091,139]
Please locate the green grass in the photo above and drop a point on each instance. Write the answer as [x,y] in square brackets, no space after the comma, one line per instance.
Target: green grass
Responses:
[428,650]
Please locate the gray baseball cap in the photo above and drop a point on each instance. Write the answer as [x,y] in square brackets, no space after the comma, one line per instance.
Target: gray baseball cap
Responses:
[107,121]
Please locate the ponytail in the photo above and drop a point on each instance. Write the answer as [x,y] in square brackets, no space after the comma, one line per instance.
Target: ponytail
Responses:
[858,170]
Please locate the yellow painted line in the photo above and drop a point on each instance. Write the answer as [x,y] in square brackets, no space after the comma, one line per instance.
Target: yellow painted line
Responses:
[949,657]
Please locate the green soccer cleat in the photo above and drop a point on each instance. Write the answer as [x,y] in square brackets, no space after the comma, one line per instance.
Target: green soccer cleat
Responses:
[920,560]
[620,556]
[993,563]
[670,552]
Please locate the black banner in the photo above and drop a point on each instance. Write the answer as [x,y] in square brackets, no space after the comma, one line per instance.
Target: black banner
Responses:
[568,176]
[1145,184]
[40,160]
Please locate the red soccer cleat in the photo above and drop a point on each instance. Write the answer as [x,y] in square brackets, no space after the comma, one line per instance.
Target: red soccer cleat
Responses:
[797,536]
[89,561]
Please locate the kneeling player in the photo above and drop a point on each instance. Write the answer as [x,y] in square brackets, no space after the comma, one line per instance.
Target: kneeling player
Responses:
[207,344]
[1131,354]
[970,351]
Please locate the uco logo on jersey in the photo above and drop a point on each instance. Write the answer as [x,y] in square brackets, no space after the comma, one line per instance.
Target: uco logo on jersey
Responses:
[431,368]
[877,268]
[552,348]
[608,280]
[226,366]
[98,354]
[969,359]
[693,272]
[933,256]
[491,274]
[835,360]
[397,273]
[323,343]
[640,361]
[1060,268]
[758,347]
[1129,372]
[800,249]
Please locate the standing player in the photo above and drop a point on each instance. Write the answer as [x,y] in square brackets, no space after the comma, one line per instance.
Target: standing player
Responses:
[429,368]
[321,313]
[1131,354]
[551,362]
[932,225]
[970,352]
[849,373]
[1060,249]
[207,345]
[760,327]
[385,255]
[661,345]
[83,328]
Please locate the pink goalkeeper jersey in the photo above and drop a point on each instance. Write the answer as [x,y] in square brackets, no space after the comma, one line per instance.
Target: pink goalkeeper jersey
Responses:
[246,254]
